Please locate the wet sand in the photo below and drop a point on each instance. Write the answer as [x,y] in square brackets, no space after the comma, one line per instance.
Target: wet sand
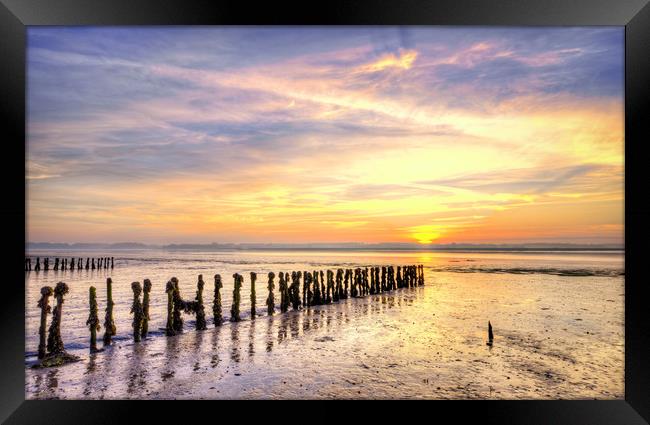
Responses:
[556,337]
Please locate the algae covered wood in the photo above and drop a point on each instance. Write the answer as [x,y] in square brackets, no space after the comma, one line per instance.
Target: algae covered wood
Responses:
[93,318]
[109,323]
[43,304]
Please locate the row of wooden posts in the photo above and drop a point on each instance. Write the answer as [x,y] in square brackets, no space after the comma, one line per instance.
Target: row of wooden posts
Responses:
[318,288]
[64,264]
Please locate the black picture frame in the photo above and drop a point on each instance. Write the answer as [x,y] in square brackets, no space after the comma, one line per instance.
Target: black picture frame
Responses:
[15,15]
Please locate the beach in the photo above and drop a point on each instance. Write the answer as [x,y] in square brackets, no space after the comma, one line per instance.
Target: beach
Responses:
[558,320]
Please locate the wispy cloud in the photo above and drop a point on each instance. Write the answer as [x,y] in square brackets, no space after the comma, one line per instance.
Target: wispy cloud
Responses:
[324,134]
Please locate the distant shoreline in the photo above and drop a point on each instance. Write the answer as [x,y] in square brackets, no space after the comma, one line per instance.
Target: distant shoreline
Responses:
[332,249]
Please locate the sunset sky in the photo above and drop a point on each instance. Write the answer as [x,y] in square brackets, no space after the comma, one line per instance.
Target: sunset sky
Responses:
[348,134]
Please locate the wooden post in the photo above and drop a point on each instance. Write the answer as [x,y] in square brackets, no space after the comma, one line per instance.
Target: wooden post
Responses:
[43,304]
[56,264]
[236,297]
[305,279]
[216,306]
[87,263]
[112,263]
[179,305]
[282,286]
[316,300]
[270,300]
[338,288]
[54,341]
[37,267]
[490,334]
[306,289]
[92,264]
[200,309]
[93,319]
[253,295]
[169,289]
[146,289]
[295,290]
[72,264]
[109,323]
[136,309]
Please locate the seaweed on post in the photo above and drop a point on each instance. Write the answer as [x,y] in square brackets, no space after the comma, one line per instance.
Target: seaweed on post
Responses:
[179,305]
[93,318]
[236,298]
[216,304]
[316,300]
[308,297]
[253,295]
[43,304]
[109,323]
[145,307]
[136,310]
[200,309]
[56,354]
[169,289]
[330,286]
[305,284]
[270,300]
[54,341]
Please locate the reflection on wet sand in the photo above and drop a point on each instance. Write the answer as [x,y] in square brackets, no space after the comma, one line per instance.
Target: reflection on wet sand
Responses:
[251,339]
[269,334]
[215,334]
[235,354]
[137,373]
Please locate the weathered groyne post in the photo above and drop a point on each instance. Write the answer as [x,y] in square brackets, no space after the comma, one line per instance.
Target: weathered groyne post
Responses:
[87,263]
[253,294]
[346,282]
[46,263]
[112,263]
[366,286]
[384,286]
[295,290]
[92,264]
[305,300]
[270,300]
[323,292]
[201,324]
[287,292]
[37,267]
[330,286]
[236,297]
[44,305]
[338,293]
[72,263]
[136,309]
[306,284]
[80,263]
[372,281]
[146,289]
[54,341]
[282,287]
[421,275]
[179,305]
[93,319]
[216,304]
[56,264]
[490,334]
[169,289]
[316,299]
[399,277]
[109,323]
